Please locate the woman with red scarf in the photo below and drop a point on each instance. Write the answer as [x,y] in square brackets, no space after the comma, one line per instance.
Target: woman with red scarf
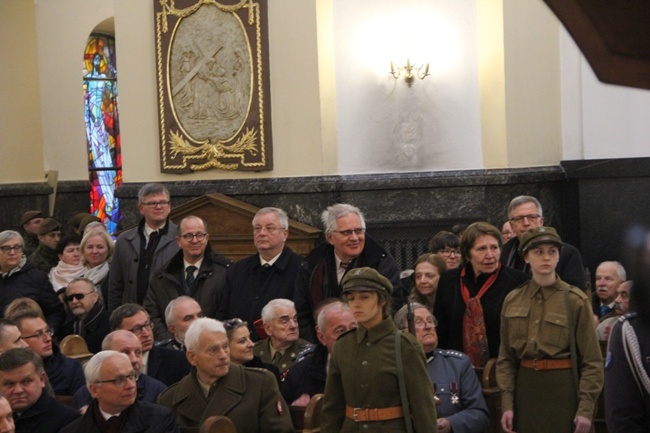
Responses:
[469,299]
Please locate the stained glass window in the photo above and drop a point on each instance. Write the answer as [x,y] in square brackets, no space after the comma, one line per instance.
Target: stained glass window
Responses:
[102,128]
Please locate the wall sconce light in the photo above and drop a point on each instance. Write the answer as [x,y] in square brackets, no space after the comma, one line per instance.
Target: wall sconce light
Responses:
[410,71]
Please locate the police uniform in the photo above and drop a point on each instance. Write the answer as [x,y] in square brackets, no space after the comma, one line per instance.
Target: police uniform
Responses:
[460,393]
[534,367]
[262,350]
[362,392]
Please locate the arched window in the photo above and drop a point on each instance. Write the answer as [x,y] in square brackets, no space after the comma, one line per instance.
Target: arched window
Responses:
[102,128]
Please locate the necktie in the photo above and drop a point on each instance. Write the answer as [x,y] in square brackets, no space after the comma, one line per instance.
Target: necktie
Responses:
[152,240]
[276,358]
[344,265]
[190,279]
[604,310]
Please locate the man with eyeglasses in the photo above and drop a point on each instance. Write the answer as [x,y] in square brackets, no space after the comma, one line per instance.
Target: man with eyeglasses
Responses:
[87,315]
[347,247]
[22,382]
[167,365]
[269,274]
[283,344]
[19,278]
[142,250]
[525,212]
[461,407]
[111,380]
[194,271]
[148,388]
[65,374]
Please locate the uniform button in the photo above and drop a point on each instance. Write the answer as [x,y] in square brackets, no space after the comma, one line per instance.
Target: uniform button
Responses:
[368,344]
[365,426]
[364,363]
[364,386]
[536,321]
[284,366]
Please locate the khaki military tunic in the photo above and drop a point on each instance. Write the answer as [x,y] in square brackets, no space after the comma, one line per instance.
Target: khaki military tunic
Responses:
[262,350]
[363,374]
[534,325]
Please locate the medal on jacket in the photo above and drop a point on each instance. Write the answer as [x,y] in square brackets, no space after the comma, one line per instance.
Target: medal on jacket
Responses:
[279,406]
[454,392]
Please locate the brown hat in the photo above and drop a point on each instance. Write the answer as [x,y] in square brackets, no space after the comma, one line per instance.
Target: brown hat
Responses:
[48,225]
[30,215]
[366,279]
[537,236]
[76,219]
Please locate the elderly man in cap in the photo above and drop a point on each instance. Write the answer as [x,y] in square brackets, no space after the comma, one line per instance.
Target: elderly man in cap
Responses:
[549,345]
[283,344]
[29,223]
[377,378]
[111,380]
[22,381]
[215,386]
[46,257]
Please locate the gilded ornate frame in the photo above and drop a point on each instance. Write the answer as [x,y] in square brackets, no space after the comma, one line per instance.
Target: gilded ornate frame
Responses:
[213,85]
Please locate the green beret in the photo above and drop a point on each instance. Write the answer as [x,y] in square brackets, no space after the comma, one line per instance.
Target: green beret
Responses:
[48,225]
[30,215]
[537,236]
[367,279]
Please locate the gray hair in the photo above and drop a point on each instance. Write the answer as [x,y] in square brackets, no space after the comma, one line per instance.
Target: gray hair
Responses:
[523,199]
[8,235]
[400,316]
[620,270]
[197,327]
[94,364]
[331,215]
[92,233]
[90,284]
[334,307]
[268,312]
[169,310]
[151,188]
[282,216]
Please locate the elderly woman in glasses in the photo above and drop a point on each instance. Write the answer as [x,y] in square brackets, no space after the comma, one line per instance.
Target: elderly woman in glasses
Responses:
[20,278]
[469,299]
[241,346]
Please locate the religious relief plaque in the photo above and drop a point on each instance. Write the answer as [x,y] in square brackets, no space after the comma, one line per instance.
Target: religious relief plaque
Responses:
[213,85]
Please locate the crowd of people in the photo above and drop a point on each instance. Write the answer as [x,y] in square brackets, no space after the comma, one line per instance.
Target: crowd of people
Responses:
[178,333]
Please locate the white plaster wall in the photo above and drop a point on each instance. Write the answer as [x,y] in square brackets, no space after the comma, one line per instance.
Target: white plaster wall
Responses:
[600,120]
[384,126]
[62,29]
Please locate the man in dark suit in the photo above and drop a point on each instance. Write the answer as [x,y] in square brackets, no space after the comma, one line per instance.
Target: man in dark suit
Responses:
[111,380]
[22,382]
[87,315]
[248,396]
[167,365]
[269,274]
[525,212]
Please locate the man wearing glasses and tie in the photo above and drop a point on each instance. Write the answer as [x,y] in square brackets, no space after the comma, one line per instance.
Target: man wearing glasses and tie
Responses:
[194,271]
[111,380]
[347,247]
[143,249]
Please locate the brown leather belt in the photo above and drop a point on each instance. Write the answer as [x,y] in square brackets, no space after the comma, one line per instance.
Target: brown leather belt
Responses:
[382,414]
[546,364]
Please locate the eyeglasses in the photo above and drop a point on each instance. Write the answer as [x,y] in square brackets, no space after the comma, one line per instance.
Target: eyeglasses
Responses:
[269,229]
[449,251]
[520,218]
[120,381]
[233,323]
[137,330]
[347,233]
[40,334]
[189,236]
[419,323]
[160,203]
[7,249]
[77,296]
